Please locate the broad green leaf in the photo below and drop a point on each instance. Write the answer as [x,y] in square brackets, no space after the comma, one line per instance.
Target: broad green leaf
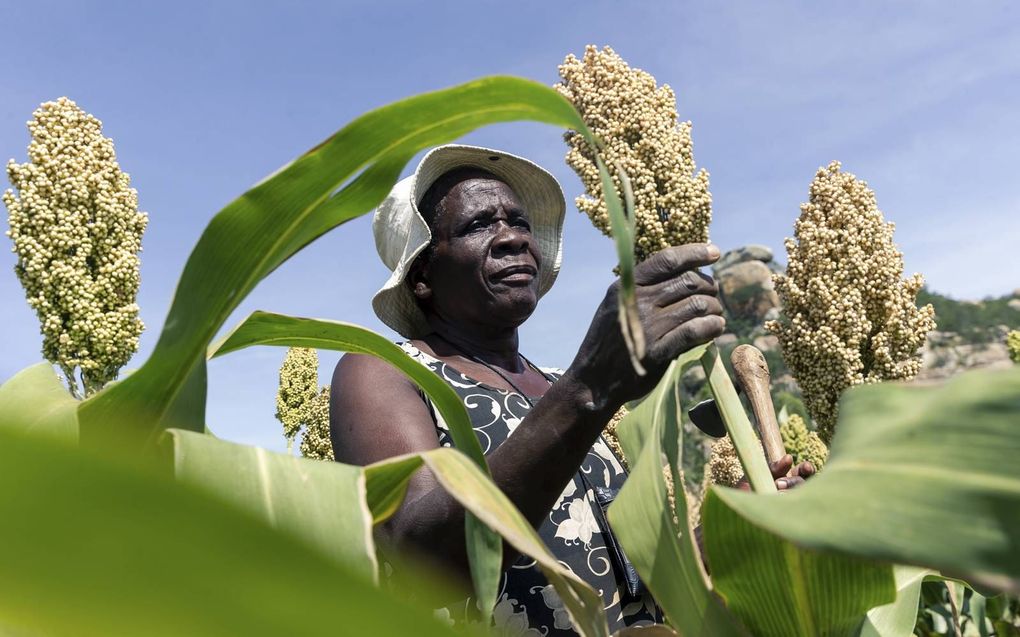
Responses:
[663,550]
[187,411]
[262,328]
[320,503]
[897,618]
[978,605]
[261,229]
[35,401]
[266,328]
[779,589]
[386,485]
[94,546]
[917,475]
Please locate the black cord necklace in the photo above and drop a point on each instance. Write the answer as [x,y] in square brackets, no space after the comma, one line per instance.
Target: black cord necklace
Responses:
[496,370]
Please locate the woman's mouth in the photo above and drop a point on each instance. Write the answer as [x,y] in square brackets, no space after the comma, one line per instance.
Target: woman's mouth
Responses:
[515,274]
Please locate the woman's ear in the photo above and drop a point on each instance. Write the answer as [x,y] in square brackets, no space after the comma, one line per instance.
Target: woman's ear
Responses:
[417,279]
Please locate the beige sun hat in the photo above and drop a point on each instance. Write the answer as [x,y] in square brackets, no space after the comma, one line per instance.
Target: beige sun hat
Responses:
[401,233]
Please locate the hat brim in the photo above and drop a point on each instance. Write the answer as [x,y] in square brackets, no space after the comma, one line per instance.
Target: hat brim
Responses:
[401,233]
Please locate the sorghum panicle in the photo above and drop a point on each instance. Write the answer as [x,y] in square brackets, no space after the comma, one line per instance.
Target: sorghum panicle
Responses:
[302,406]
[315,442]
[637,125]
[802,443]
[724,466]
[848,316]
[299,387]
[1013,344]
[77,231]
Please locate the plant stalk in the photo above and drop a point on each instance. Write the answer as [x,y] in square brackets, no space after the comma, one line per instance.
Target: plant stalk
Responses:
[738,426]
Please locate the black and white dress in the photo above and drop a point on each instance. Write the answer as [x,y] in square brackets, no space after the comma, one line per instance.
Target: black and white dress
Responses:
[575,529]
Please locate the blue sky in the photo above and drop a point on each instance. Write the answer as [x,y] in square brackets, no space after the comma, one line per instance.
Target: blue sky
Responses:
[203,99]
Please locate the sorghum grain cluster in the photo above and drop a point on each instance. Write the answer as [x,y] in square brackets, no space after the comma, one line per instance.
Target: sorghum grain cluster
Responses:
[315,442]
[848,316]
[637,125]
[298,392]
[724,466]
[77,231]
[802,443]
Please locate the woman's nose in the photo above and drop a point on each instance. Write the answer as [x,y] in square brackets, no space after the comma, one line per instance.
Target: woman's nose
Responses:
[511,238]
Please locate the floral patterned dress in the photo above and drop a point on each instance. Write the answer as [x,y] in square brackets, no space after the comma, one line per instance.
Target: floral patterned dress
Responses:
[575,530]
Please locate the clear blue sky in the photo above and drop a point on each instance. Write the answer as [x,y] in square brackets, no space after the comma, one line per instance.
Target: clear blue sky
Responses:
[203,99]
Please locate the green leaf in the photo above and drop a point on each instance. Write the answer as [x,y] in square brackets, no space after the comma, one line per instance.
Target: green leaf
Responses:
[266,328]
[94,546]
[35,401]
[622,223]
[261,229]
[978,605]
[319,503]
[897,618]
[779,589]
[917,475]
[478,494]
[187,411]
[738,427]
[663,550]
[386,485]
[262,328]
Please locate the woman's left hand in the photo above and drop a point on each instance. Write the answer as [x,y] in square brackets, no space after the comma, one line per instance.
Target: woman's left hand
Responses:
[782,474]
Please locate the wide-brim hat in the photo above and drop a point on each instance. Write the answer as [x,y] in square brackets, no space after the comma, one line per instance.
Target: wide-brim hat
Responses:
[401,233]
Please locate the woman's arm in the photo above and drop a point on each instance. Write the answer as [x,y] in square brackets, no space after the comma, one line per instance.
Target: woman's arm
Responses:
[376,413]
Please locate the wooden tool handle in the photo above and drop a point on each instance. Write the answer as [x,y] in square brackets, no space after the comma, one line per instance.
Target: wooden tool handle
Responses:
[752,374]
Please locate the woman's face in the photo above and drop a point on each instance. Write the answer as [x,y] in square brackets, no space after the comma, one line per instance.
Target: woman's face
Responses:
[484,266]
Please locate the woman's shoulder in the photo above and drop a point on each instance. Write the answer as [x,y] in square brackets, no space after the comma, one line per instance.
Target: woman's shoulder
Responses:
[354,369]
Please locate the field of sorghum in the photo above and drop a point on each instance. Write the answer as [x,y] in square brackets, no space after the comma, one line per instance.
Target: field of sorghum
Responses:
[921,484]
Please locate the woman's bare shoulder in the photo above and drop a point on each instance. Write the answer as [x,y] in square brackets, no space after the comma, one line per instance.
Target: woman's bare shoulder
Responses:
[376,412]
[357,369]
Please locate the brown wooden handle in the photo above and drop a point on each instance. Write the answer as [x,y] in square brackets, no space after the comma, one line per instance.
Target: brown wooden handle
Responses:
[752,374]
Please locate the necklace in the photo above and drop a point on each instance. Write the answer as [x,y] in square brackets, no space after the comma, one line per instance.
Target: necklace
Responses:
[496,370]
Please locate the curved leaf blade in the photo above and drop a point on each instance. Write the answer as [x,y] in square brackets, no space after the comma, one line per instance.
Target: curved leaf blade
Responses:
[463,479]
[779,589]
[263,328]
[35,401]
[267,328]
[664,552]
[265,226]
[124,551]
[899,617]
[918,475]
[319,503]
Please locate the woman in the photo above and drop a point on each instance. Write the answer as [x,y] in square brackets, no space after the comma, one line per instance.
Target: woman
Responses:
[473,240]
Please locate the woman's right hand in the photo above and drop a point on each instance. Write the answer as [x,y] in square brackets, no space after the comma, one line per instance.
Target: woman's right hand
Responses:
[677,308]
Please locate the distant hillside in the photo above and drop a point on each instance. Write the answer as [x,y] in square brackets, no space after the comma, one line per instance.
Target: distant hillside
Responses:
[974,321]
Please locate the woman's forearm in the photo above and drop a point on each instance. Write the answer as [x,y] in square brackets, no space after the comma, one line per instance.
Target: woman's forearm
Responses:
[532,467]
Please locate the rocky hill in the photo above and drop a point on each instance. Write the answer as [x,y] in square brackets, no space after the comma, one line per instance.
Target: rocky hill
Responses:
[971,334]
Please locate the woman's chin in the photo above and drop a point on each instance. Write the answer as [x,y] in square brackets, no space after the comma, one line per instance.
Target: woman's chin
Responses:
[514,308]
